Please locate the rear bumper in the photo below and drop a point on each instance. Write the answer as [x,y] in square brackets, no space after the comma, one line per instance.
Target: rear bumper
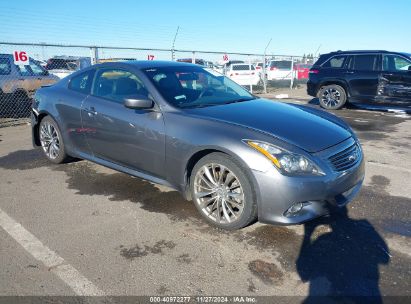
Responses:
[312,88]
[319,194]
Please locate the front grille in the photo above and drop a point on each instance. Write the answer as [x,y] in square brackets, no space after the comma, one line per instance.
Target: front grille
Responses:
[346,159]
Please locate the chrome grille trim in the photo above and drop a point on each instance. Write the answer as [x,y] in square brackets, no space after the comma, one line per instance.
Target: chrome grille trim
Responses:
[346,158]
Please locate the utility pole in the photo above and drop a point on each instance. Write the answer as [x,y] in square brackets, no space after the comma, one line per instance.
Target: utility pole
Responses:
[264,70]
[174,41]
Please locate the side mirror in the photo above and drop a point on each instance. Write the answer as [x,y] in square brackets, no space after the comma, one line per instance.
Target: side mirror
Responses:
[138,102]
[409,67]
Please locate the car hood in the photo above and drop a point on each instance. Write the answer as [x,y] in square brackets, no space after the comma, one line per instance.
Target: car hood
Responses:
[303,127]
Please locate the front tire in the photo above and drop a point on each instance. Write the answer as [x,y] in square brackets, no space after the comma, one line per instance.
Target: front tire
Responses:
[332,97]
[222,192]
[51,141]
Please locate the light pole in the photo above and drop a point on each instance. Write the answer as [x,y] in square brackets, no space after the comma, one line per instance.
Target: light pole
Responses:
[174,41]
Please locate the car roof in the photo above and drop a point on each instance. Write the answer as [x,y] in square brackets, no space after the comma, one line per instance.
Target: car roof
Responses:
[145,64]
[367,51]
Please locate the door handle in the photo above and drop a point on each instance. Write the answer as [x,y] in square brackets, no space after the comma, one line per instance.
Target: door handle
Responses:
[349,72]
[91,111]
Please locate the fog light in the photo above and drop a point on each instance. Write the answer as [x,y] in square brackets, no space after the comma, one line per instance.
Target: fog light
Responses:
[294,209]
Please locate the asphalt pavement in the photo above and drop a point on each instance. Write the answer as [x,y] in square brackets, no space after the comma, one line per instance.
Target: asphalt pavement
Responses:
[82,229]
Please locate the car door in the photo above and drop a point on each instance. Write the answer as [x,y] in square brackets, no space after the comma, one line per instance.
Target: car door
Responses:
[127,137]
[395,80]
[362,76]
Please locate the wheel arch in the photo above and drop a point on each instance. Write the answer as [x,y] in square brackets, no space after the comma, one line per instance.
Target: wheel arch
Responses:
[36,135]
[199,154]
[339,82]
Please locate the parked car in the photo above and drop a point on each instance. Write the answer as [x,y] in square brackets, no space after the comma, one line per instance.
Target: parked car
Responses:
[301,71]
[259,66]
[102,60]
[62,66]
[377,78]
[243,74]
[280,70]
[18,84]
[198,61]
[238,157]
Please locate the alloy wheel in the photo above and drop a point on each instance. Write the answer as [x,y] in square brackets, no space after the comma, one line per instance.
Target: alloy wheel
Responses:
[331,97]
[219,194]
[50,141]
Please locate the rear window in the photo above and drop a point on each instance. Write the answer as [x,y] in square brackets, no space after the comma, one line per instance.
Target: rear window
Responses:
[244,67]
[335,62]
[5,67]
[82,82]
[59,64]
[285,64]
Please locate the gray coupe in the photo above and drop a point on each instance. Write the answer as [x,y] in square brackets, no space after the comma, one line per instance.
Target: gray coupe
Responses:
[238,157]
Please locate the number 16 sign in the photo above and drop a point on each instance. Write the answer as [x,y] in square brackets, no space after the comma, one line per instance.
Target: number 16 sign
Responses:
[20,58]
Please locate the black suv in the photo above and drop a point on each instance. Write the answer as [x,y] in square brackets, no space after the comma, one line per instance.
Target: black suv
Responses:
[367,77]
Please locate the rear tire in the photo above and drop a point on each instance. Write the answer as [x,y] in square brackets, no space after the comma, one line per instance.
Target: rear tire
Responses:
[332,97]
[51,141]
[222,192]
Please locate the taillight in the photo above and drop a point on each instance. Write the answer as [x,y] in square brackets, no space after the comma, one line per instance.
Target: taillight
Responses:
[314,71]
[273,68]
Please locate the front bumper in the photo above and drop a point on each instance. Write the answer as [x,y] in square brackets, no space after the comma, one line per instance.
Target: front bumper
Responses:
[319,194]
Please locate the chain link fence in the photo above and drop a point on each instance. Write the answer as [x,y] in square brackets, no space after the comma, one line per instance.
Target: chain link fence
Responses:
[26,67]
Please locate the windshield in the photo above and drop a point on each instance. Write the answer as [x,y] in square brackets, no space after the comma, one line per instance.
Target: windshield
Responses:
[191,86]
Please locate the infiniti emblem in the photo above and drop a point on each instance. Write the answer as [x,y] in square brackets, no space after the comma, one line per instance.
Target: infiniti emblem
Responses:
[352,157]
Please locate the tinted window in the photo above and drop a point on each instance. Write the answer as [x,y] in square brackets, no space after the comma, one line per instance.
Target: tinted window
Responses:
[335,62]
[37,69]
[395,63]
[5,67]
[364,62]
[60,64]
[118,84]
[82,82]
[286,65]
[243,67]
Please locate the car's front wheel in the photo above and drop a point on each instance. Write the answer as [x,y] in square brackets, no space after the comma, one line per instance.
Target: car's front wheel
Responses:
[332,97]
[52,141]
[222,192]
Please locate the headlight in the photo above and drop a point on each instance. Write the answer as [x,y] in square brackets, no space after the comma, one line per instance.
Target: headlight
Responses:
[287,162]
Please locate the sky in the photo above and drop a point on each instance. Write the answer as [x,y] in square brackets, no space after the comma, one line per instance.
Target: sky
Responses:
[296,27]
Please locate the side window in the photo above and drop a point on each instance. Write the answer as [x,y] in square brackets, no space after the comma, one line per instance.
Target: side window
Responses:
[24,70]
[5,67]
[82,82]
[364,63]
[37,69]
[393,63]
[335,62]
[118,84]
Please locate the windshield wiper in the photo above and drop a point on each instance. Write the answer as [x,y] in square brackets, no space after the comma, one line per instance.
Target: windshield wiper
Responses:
[240,100]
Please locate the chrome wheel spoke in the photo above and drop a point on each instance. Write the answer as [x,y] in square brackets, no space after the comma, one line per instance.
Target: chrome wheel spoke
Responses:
[49,140]
[209,175]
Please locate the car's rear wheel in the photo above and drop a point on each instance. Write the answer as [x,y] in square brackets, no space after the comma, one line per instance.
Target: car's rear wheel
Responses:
[52,141]
[332,97]
[222,192]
